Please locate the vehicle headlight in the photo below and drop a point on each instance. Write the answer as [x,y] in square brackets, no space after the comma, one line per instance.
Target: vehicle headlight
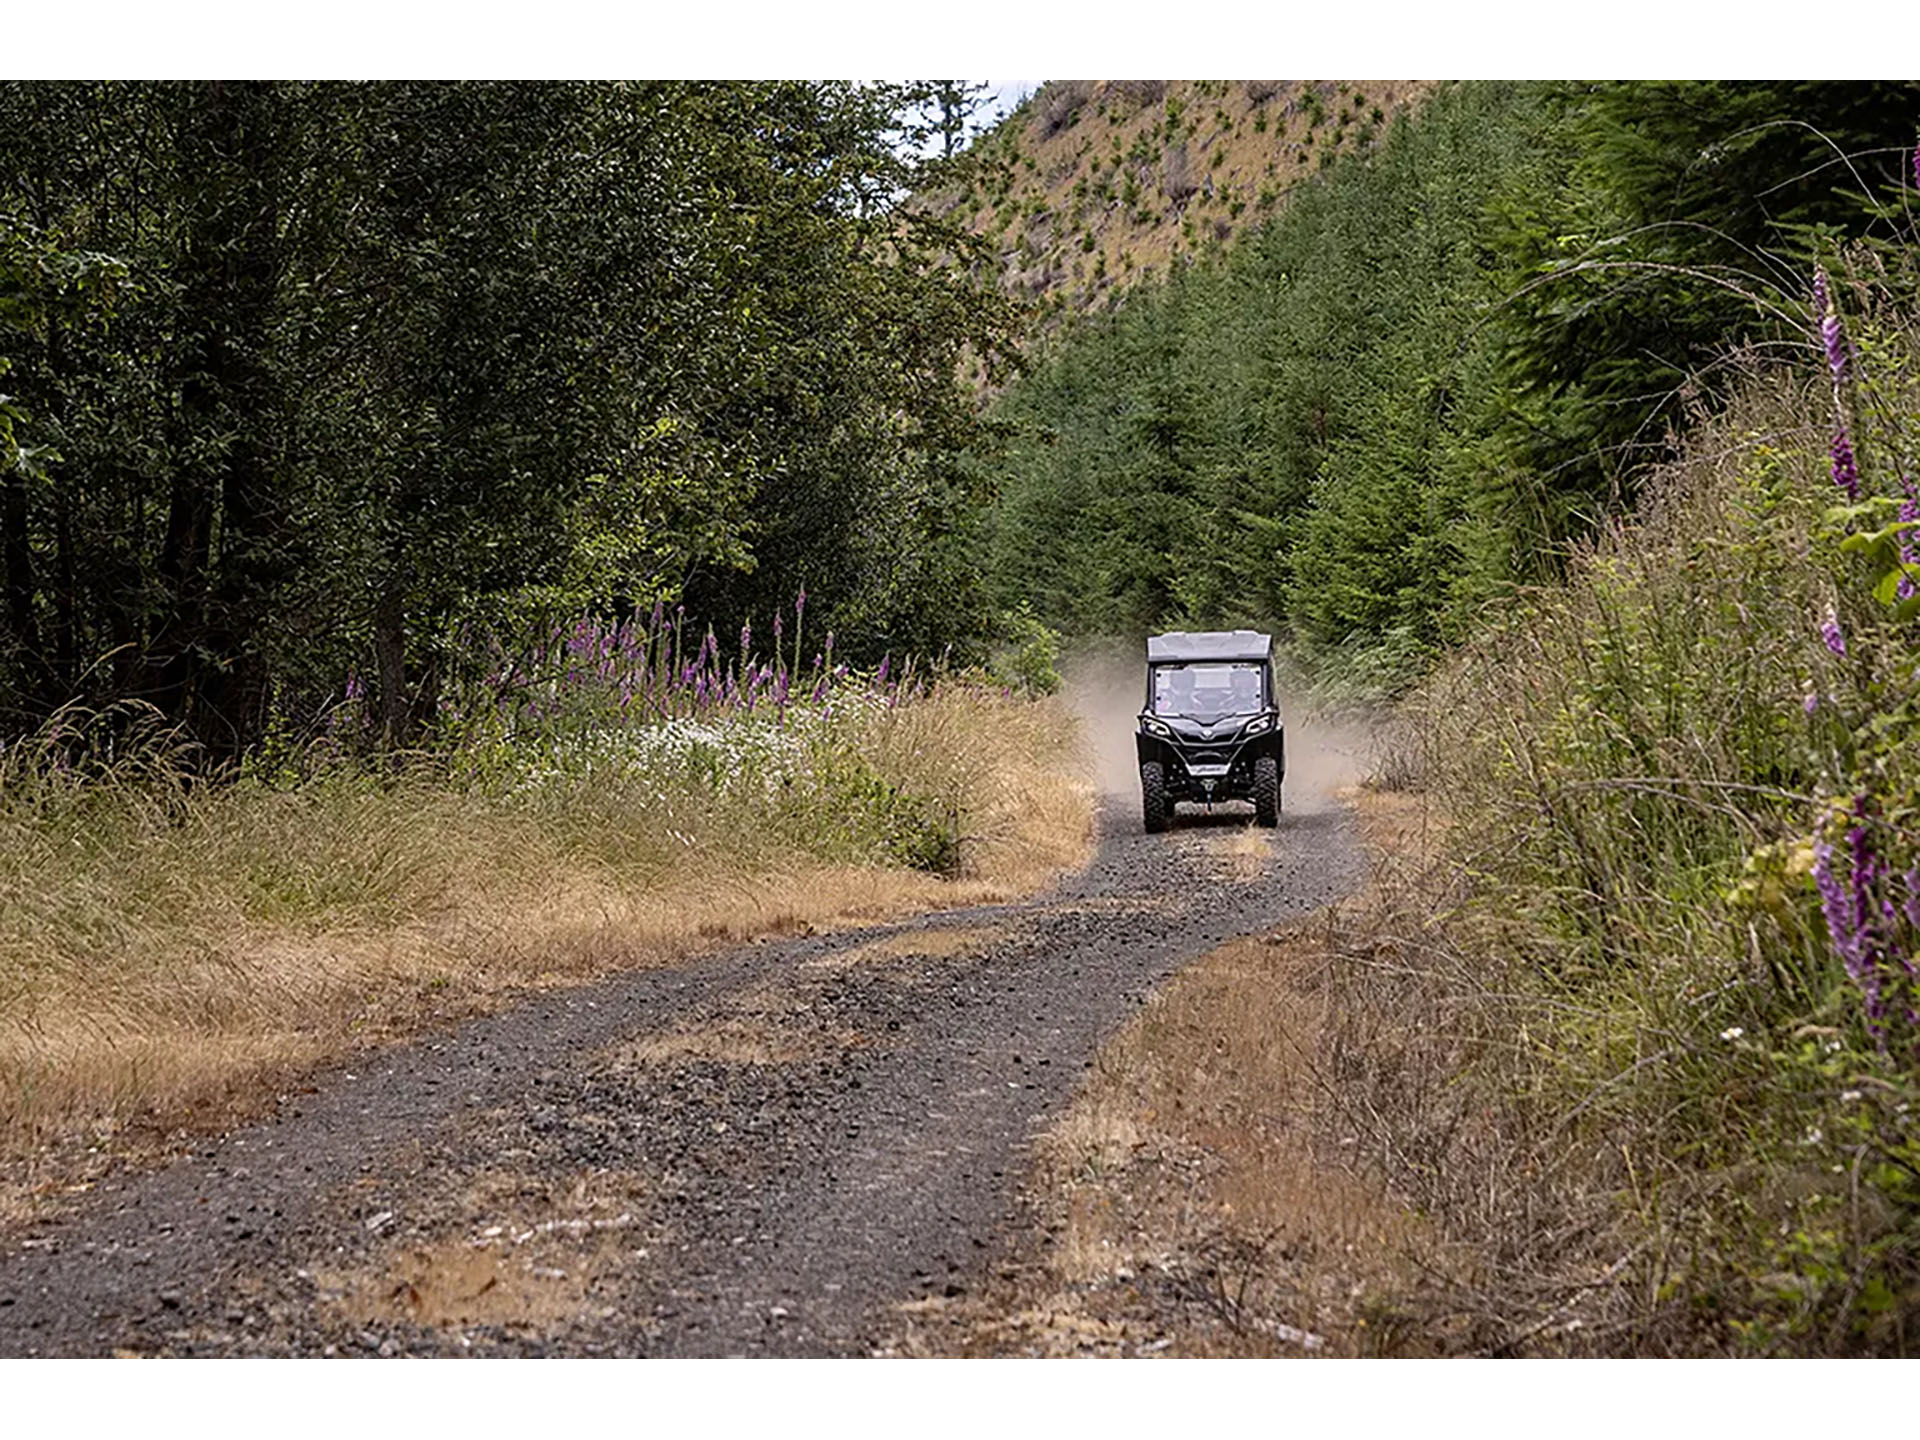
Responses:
[1258,724]
[1156,727]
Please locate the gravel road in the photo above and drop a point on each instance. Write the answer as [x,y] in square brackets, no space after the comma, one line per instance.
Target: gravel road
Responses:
[763,1152]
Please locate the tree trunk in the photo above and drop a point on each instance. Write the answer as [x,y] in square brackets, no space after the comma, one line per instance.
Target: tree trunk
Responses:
[390,652]
[22,634]
[213,666]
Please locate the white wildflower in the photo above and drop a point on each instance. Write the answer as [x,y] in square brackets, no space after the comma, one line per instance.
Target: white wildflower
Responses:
[1733,1032]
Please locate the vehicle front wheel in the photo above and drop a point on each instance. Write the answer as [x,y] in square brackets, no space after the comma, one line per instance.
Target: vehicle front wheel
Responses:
[1153,797]
[1266,791]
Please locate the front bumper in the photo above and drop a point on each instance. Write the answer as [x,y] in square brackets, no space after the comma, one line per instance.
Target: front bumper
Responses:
[1205,771]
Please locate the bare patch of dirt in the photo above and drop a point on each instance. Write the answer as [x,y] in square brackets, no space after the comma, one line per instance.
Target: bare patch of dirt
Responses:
[761,1026]
[953,943]
[517,1251]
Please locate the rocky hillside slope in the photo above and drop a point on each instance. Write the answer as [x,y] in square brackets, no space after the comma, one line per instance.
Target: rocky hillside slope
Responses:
[1093,185]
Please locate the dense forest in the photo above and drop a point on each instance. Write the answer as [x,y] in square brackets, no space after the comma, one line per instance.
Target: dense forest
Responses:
[308,385]
[1440,362]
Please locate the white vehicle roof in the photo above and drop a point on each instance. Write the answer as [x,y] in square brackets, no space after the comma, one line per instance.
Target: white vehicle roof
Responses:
[1180,645]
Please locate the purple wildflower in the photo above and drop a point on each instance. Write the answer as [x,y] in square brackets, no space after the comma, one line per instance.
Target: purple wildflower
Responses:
[1834,907]
[1834,339]
[800,602]
[354,690]
[1821,304]
[1865,872]
[1830,632]
[1811,702]
[1846,473]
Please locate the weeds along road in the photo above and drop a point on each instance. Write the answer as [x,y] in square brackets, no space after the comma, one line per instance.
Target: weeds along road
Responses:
[763,1152]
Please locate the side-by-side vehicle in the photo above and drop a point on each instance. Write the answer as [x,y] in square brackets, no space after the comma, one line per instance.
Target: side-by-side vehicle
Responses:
[1210,730]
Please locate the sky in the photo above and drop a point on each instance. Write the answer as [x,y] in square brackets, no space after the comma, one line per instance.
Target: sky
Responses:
[1006,95]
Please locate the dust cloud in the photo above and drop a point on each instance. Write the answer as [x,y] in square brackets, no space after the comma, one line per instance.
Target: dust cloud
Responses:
[1107,687]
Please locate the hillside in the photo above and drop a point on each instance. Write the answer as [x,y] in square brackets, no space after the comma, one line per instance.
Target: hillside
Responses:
[1093,185]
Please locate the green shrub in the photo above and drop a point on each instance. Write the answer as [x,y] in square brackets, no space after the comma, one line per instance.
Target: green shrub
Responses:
[1029,657]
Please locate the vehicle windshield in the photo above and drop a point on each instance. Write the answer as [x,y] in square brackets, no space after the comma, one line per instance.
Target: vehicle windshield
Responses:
[1207,692]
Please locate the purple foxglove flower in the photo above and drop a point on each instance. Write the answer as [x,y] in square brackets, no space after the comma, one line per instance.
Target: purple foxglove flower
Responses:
[800,602]
[354,689]
[1846,473]
[880,678]
[1868,957]
[1835,341]
[1833,906]
[1821,303]
[1811,703]
[1830,632]
[746,640]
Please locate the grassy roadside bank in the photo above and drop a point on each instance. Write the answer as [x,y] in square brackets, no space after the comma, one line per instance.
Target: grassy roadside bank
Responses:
[173,956]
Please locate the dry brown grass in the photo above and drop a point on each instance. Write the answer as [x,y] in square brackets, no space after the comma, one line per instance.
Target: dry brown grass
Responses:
[178,970]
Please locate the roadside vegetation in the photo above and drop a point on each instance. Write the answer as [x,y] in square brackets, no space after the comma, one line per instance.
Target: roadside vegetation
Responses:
[1680,801]
[175,953]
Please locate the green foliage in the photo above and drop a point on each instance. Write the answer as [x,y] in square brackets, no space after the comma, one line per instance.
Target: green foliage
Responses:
[1197,458]
[386,360]
[1445,359]
[1028,658]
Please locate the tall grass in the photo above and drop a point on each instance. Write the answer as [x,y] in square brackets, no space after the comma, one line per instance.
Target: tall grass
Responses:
[171,948]
[1677,924]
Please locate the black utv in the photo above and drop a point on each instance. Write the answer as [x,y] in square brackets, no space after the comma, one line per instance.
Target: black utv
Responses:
[1211,727]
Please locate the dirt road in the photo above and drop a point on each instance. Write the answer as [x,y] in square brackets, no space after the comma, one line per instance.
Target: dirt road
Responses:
[761,1153]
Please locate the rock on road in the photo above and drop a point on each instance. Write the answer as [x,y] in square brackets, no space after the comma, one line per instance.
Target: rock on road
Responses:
[761,1152]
